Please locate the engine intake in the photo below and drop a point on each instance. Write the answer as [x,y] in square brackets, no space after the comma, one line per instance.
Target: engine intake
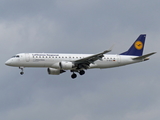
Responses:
[53,71]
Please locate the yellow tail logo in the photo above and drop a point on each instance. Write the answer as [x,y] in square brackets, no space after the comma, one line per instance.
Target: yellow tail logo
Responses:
[138,45]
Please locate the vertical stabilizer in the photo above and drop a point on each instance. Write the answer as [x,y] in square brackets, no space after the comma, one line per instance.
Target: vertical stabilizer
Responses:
[137,48]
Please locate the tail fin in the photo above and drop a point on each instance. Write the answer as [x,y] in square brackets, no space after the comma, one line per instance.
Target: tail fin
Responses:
[137,48]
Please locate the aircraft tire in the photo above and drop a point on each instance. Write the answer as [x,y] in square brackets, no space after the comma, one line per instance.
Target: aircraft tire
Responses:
[21,73]
[82,72]
[73,76]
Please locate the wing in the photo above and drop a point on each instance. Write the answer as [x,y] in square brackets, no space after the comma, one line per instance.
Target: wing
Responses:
[85,62]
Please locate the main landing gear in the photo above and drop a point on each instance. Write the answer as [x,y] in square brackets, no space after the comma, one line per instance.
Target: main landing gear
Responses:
[81,72]
[21,70]
[73,75]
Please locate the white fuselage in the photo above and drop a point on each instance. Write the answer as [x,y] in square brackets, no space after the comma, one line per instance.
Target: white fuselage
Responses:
[49,59]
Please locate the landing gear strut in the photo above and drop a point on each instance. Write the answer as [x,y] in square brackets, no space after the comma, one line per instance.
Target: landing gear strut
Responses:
[73,75]
[21,70]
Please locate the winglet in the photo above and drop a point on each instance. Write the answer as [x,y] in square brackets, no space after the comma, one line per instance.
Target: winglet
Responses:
[112,46]
[106,51]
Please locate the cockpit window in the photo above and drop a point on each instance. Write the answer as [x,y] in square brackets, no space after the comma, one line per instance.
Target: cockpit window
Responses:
[17,56]
[13,56]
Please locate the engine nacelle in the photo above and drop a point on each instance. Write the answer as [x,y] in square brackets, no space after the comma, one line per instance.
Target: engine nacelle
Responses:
[64,65]
[53,71]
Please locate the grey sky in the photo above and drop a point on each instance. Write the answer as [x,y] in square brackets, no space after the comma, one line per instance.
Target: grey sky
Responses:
[79,26]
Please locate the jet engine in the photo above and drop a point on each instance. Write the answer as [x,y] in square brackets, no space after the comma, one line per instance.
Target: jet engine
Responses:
[53,71]
[64,65]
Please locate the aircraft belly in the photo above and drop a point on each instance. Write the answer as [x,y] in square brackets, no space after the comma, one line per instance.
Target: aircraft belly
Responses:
[105,64]
[125,60]
[31,64]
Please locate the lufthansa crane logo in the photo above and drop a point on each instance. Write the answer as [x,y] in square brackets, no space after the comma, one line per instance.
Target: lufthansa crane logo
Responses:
[138,45]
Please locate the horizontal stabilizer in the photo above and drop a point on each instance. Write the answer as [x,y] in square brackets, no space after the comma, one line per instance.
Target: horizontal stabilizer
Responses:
[143,56]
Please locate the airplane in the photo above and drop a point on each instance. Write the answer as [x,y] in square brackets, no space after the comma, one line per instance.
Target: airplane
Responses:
[57,63]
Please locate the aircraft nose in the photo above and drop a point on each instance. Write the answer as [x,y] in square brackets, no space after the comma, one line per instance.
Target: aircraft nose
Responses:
[8,62]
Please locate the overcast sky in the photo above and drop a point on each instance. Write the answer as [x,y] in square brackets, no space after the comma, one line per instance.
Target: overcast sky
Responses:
[79,26]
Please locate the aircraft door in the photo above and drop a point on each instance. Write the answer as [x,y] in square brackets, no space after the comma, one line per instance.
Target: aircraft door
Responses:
[27,57]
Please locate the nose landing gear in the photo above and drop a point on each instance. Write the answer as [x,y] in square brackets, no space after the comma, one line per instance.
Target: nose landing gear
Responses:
[21,73]
[21,70]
